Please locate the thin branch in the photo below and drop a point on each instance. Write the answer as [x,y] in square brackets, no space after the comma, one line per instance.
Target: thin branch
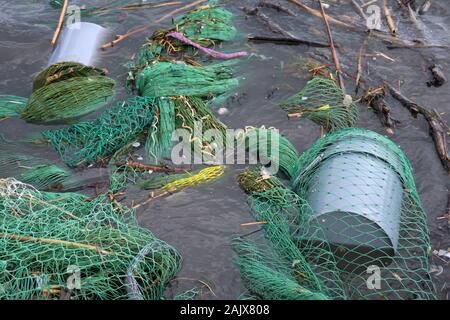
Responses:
[60,22]
[362,51]
[332,48]
[137,6]
[317,13]
[121,37]
[359,10]
[255,223]
[53,241]
[288,41]
[154,168]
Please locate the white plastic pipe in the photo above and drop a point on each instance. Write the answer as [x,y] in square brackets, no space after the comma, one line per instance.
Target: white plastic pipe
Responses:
[79,42]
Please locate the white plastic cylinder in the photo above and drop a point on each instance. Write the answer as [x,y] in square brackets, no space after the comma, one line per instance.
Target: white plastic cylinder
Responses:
[79,42]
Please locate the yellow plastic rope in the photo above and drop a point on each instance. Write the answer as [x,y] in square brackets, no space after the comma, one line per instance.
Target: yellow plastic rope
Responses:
[205,175]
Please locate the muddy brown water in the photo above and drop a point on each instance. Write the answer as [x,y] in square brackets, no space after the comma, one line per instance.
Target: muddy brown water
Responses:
[200,221]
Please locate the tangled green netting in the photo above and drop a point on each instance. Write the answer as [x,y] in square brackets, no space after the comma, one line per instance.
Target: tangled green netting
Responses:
[323,102]
[95,141]
[307,254]
[11,106]
[178,91]
[46,236]
[208,26]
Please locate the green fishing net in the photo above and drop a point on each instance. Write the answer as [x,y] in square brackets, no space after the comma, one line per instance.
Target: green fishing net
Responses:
[212,23]
[159,140]
[323,102]
[38,172]
[163,79]
[208,26]
[11,106]
[67,246]
[61,71]
[65,91]
[69,99]
[180,113]
[95,141]
[350,226]
[272,148]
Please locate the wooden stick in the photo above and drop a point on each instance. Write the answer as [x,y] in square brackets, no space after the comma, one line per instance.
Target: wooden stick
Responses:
[138,6]
[362,51]
[359,10]
[288,41]
[152,197]
[275,6]
[376,100]
[332,48]
[437,125]
[121,37]
[389,19]
[53,241]
[146,167]
[60,22]
[256,223]
[317,13]
[273,26]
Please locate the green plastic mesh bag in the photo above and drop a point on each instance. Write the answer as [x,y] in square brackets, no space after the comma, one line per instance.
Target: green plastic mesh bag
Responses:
[164,79]
[66,246]
[323,102]
[95,141]
[180,113]
[213,23]
[67,91]
[355,212]
[69,99]
[159,140]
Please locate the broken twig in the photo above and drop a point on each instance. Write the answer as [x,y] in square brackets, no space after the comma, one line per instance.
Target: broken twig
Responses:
[332,48]
[375,100]
[288,41]
[389,19]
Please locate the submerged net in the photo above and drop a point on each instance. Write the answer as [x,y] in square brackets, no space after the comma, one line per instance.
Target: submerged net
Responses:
[95,141]
[66,246]
[66,91]
[355,214]
[38,172]
[323,102]
[11,106]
